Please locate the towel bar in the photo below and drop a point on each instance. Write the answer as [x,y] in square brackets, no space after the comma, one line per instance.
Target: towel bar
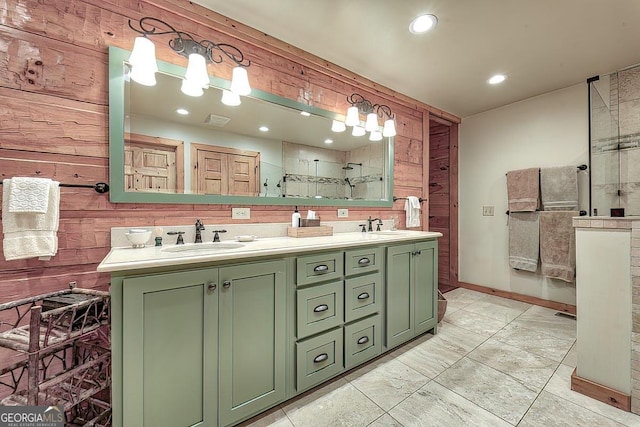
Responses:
[582,213]
[404,198]
[100,187]
[581,167]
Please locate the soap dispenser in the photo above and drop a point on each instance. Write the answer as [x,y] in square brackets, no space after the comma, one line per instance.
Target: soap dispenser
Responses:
[295,218]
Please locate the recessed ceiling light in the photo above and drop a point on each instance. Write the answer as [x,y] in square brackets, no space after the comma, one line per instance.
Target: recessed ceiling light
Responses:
[498,78]
[182,111]
[305,113]
[264,129]
[423,23]
[328,141]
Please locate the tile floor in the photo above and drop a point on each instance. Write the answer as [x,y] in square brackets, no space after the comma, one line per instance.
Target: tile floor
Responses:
[494,362]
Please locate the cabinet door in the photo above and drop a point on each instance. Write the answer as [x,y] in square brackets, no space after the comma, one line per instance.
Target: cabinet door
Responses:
[169,325]
[399,295]
[425,277]
[252,339]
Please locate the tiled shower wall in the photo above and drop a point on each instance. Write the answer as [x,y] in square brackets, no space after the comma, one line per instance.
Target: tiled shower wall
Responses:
[615,146]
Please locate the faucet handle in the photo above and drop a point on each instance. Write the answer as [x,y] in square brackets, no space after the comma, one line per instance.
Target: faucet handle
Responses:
[216,237]
[378,225]
[180,240]
[364,227]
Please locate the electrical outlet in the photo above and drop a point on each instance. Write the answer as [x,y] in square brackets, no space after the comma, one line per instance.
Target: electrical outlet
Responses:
[487,211]
[343,213]
[240,213]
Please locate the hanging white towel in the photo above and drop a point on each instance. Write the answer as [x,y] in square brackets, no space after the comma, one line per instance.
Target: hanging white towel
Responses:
[28,234]
[29,195]
[412,209]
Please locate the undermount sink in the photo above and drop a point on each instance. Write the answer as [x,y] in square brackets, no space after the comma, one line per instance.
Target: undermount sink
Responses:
[203,247]
[389,232]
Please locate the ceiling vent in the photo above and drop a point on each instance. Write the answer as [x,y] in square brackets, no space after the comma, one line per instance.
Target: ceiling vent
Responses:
[219,121]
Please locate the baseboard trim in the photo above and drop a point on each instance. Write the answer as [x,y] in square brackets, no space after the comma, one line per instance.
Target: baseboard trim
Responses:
[554,305]
[599,392]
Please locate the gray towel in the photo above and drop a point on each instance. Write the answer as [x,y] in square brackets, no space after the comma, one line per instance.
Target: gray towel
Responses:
[523,190]
[559,188]
[524,240]
[558,245]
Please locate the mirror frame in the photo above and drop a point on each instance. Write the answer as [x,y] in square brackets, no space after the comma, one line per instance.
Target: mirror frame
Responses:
[117,194]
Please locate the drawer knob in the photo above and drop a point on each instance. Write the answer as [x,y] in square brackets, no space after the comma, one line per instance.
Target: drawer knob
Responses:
[363,340]
[211,287]
[320,358]
[363,296]
[226,284]
[364,261]
[321,269]
[321,308]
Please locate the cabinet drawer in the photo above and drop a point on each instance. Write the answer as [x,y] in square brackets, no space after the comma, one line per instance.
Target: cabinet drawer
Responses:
[362,341]
[363,296]
[319,308]
[318,268]
[318,359]
[362,260]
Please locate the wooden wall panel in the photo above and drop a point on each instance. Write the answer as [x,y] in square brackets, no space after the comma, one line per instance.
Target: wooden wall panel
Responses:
[54,121]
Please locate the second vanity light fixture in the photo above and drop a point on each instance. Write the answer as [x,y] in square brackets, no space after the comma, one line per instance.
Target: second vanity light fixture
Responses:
[360,105]
[144,66]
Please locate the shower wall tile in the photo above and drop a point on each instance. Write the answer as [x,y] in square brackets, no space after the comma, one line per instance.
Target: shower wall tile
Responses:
[629,117]
[629,84]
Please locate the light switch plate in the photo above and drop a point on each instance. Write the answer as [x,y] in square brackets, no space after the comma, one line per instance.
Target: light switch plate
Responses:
[240,213]
[343,213]
[487,211]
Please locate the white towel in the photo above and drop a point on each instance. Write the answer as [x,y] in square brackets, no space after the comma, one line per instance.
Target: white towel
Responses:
[27,234]
[412,208]
[29,195]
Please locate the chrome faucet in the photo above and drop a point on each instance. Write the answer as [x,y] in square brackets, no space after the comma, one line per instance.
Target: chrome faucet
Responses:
[199,228]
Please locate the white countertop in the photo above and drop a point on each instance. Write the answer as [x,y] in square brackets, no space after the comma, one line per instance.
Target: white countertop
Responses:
[128,258]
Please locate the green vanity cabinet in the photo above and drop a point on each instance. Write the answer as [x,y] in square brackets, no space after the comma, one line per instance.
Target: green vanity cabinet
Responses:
[203,347]
[411,291]
[169,341]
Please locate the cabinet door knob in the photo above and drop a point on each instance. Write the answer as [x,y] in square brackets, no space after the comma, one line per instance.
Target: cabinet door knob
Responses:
[321,308]
[363,340]
[321,269]
[226,284]
[363,295]
[211,287]
[320,358]
[364,261]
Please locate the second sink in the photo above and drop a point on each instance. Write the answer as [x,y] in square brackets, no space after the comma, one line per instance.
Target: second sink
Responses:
[203,247]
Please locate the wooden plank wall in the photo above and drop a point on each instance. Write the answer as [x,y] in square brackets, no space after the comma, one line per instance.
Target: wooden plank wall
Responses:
[54,120]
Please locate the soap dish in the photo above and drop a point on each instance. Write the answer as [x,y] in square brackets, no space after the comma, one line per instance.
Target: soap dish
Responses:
[246,238]
[138,237]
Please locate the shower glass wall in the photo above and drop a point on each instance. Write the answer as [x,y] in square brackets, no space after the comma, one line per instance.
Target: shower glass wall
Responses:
[615,142]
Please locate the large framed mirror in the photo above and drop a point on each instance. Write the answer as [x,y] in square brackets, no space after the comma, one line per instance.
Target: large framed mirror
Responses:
[220,154]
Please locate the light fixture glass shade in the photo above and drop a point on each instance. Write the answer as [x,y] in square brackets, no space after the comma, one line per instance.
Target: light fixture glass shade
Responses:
[142,76]
[389,128]
[338,126]
[197,70]
[143,62]
[191,89]
[358,131]
[371,123]
[240,82]
[229,98]
[353,117]
[375,135]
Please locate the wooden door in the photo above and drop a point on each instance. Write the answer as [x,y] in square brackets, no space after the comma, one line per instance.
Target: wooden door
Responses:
[224,171]
[153,164]
[443,199]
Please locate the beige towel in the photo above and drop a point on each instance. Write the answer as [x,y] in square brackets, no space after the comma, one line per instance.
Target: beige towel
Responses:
[524,240]
[558,244]
[29,194]
[27,234]
[523,190]
[412,209]
[559,188]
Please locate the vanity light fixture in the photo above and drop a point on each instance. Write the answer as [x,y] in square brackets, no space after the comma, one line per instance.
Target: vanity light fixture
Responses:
[360,105]
[199,53]
[338,126]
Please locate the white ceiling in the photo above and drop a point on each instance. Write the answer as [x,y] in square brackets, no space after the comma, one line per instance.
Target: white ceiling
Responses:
[542,45]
